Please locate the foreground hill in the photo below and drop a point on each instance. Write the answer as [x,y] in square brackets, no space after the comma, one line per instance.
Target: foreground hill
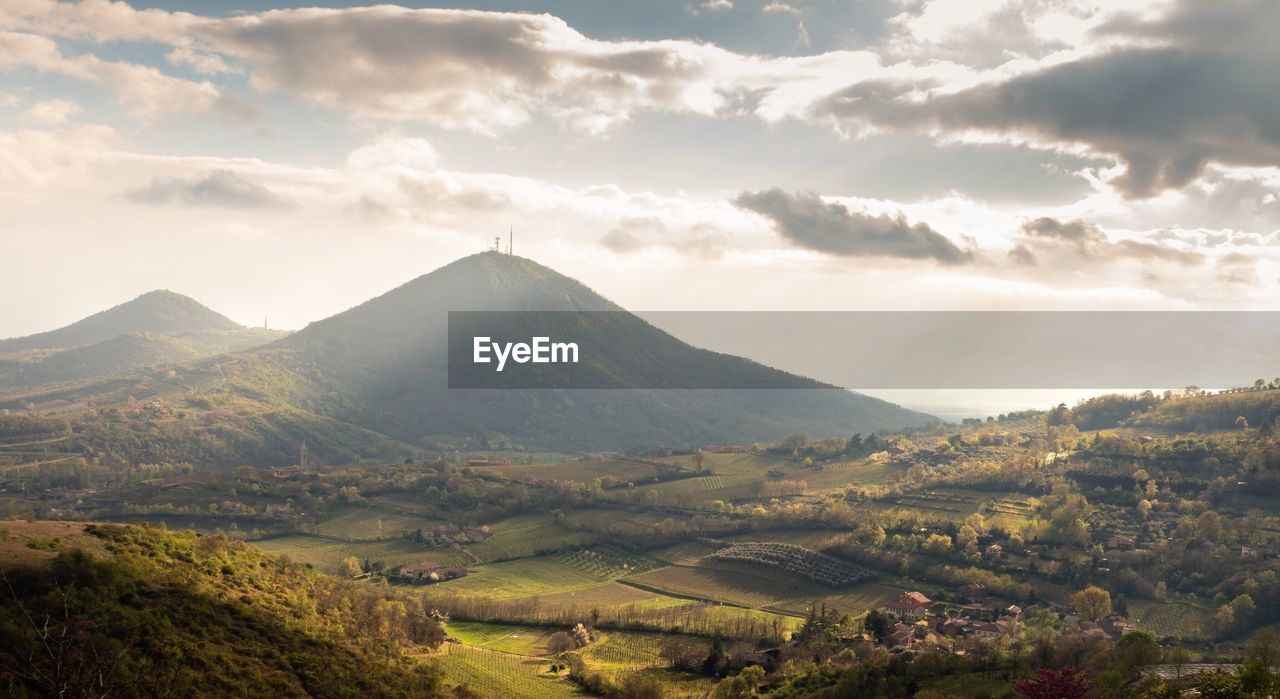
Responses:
[139,611]
[159,327]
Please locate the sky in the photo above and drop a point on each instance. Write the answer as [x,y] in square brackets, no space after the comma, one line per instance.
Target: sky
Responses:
[285,162]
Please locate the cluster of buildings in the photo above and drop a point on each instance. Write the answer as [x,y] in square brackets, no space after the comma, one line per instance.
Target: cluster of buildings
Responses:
[916,616]
[425,572]
[448,533]
[971,616]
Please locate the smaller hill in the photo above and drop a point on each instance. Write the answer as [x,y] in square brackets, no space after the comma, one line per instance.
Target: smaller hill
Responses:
[157,328]
[161,312]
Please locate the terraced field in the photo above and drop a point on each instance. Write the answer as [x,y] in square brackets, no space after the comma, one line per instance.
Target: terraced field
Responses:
[521,640]
[611,595]
[838,475]
[580,471]
[328,554]
[369,523]
[758,588]
[697,582]
[526,535]
[725,486]
[621,653]
[494,675]
[1177,619]
[525,577]
[686,554]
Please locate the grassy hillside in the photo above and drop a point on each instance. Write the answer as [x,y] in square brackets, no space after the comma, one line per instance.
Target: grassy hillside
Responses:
[138,611]
[122,353]
[382,365]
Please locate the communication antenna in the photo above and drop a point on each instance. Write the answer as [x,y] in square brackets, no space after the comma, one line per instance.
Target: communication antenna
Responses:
[497,243]
[511,234]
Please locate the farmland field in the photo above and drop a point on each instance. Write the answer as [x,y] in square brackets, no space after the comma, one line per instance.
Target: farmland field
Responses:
[525,577]
[522,640]
[368,523]
[495,675]
[525,535]
[1173,618]
[619,653]
[328,554]
[580,471]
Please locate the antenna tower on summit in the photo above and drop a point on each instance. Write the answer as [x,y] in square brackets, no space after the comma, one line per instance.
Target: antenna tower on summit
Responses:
[511,234]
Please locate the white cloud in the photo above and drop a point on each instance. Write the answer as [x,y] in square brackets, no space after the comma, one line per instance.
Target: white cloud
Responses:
[144,91]
[51,112]
[202,62]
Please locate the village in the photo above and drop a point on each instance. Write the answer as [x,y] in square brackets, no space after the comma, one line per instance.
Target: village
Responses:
[914,622]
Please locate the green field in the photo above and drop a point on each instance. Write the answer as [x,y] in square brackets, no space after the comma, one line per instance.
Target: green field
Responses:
[328,554]
[759,588]
[369,523]
[619,653]
[526,577]
[496,675]
[525,535]
[521,640]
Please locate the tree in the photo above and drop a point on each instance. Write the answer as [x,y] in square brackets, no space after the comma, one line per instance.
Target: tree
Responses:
[351,567]
[967,537]
[1264,647]
[1137,648]
[716,658]
[740,686]
[638,686]
[560,642]
[1243,607]
[1178,657]
[1066,683]
[878,624]
[1256,680]
[937,544]
[682,653]
[1092,603]
[1216,685]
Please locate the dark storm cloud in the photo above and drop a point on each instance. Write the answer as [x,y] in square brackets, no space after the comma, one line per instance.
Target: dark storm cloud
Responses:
[220,188]
[809,222]
[1202,89]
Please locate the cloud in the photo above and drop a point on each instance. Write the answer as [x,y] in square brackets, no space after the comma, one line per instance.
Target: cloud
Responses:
[144,91]
[201,62]
[808,221]
[97,20]
[1076,244]
[485,71]
[52,112]
[1192,88]
[219,188]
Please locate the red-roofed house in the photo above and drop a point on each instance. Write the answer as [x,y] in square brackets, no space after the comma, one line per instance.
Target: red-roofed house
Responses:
[911,605]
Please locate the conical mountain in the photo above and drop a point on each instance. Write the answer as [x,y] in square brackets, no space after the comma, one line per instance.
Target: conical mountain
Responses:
[160,312]
[159,327]
[382,366]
